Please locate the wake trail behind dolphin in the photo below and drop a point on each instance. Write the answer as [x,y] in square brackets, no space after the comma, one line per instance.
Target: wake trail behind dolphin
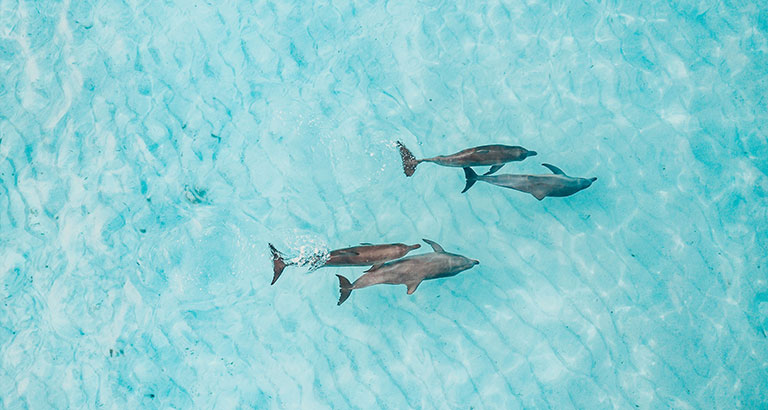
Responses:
[315,261]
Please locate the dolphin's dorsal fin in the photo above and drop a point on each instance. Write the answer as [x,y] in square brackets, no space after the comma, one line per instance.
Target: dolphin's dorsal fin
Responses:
[366,244]
[435,246]
[412,287]
[374,267]
[554,169]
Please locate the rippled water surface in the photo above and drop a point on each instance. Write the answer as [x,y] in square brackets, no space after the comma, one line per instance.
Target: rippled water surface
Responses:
[149,151]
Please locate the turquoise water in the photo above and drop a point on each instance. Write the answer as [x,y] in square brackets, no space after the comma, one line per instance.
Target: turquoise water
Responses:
[151,150]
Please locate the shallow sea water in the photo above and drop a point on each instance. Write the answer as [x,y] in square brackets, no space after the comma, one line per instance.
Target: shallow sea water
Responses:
[150,150]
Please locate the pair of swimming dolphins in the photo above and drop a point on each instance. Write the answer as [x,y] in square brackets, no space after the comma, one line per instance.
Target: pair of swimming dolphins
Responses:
[558,184]
[387,265]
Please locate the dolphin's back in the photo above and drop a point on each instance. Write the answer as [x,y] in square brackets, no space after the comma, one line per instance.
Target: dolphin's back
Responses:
[536,185]
[482,155]
[525,183]
[406,270]
[366,254]
[506,180]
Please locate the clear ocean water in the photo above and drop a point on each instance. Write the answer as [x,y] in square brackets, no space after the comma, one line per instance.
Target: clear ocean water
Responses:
[149,151]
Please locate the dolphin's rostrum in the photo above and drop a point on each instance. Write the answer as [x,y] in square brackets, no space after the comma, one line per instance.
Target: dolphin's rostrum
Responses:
[557,184]
[409,271]
[364,255]
[494,155]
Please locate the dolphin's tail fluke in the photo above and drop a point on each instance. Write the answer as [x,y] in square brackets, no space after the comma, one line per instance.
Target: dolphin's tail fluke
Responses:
[471,176]
[278,263]
[409,161]
[345,288]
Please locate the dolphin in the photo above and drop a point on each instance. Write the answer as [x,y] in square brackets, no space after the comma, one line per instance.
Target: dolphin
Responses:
[364,255]
[540,186]
[494,155]
[409,271]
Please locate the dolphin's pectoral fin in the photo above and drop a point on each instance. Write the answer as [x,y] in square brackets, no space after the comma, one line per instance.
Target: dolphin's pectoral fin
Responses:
[412,287]
[554,169]
[538,195]
[374,267]
[435,246]
[493,169]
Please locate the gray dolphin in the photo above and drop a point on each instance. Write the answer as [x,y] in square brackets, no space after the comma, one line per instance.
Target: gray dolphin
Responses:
[540,186]
[494,155]
[409,271]
[364,255]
